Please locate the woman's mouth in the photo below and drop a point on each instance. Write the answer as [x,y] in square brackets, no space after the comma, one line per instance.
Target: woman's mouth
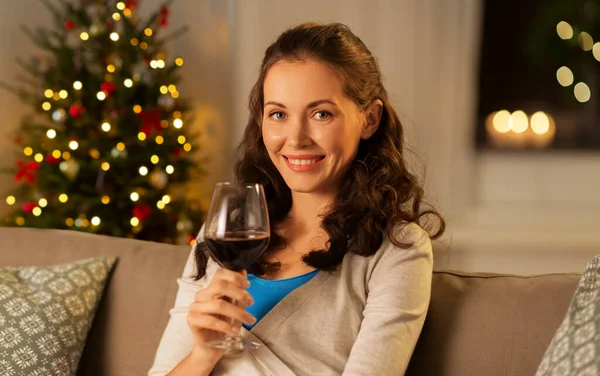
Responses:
[303,163]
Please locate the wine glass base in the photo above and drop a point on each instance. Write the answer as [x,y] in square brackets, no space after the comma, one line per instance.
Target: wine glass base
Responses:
[234,344]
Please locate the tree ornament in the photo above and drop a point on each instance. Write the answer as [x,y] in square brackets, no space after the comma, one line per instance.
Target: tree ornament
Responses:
[50,159]
[69,24]
[108,88]
[70,168]
[158,178]
[76,110]
[166,102]
[26,171]
[150,121]
[28,207]
[142,212]
[59,116]
[164,17]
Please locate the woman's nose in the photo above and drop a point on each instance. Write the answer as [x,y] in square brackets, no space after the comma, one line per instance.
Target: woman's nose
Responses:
[298,134]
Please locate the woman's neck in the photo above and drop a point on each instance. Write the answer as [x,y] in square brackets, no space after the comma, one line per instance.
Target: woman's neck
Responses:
[307,209]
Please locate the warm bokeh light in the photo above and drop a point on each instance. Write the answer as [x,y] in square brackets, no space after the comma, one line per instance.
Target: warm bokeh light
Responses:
[43,202]
[63,198]
[161,205]
[134,196]
[51,133]
[134,41]
[63,94]
[114,36]
[564,30]
[56,153]
[596,51]
[179,62]
[586,42]
[110,68]
[540,123]
[94,153]
[120,5]
[141,136]
[95,221]
[148,32]
[154,159]
[37,211]
[69,222]
[564,76]
[39,158]
[143,45]
[166,199]
[143,170]
[77,85]
[164,89]
[105,166]
[582,92]
[501,121]
[105,200]
[101,95]
[73,145]
[84,36]
[181,139]
[137,108]
[134,221]
[116,16]
[178,123]
[11,200]
[46,106]
[159,140]
[170,169]
[172,88]
[120,146]
[48,93]
[105,126]
[519,121]
[128,82]
[28,151]
[66,155]
[20,221]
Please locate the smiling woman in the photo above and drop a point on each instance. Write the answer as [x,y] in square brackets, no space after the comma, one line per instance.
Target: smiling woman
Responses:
[344,286]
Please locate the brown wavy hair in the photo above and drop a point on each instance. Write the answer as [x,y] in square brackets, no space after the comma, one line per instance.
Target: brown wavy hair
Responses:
[377,193]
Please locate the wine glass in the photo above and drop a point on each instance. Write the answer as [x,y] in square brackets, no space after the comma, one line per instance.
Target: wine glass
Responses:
[236,233]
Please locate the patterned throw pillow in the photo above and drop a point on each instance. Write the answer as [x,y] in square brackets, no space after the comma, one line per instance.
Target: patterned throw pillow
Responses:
[46,313]
[575,348]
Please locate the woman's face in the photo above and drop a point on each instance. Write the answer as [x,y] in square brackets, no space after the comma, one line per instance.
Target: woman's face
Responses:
[310,129]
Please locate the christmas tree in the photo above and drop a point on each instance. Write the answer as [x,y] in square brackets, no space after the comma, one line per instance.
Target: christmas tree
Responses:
[106,148]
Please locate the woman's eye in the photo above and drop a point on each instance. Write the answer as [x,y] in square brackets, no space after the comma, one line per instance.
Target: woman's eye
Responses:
[323,115]
[277,115]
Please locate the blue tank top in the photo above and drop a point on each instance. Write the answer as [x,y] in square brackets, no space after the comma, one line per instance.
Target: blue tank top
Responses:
[267,293]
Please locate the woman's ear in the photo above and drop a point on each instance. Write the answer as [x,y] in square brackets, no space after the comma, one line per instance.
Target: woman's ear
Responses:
[372,119]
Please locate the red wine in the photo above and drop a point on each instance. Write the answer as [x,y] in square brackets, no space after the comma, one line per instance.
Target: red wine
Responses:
[237,250]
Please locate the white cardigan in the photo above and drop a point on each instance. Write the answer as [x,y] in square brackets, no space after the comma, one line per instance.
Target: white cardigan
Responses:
[363,319]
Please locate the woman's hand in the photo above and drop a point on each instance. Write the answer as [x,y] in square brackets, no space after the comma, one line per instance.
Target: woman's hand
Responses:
[210,316]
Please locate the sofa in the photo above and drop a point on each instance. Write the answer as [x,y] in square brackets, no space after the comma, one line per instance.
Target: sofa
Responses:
[478,324]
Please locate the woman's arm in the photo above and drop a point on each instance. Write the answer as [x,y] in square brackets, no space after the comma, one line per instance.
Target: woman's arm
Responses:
[399,292]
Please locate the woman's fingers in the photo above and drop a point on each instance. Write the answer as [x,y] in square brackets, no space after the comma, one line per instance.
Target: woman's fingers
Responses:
[203,322]
[223,308]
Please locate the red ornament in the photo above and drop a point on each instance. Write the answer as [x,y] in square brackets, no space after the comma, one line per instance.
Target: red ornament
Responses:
[191,238]
[164,16]
[51,160]
[69,24]
[28,207]
[108,88]
[110,25]
[150,121]
[76,110]
[131,4]
[142,212]
[177,151]
[26,171]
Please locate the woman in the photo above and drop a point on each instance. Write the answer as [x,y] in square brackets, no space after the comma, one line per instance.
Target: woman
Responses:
[346,249]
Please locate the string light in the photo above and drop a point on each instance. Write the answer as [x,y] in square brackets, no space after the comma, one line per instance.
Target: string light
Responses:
[596,51]
[179,62]
[48,93]
[127,12]
[148,32]
[11,200]
[164,89]
[166,199]
[137,108]
[110,68]
[63,94]
[105,126]
[114,36]
[85,223]
[159,140]
[586,42]
[143,45]
[105,166]
[69,222]
[94,153]
[160,64]
[46,106]
[56,153]
[37,211]
[164,123]
[175,94]
[564,30]
[172,88]
[170,169]
[105,200]
[154,159]
[51,133]
[153,64]
[136,77]
[28,151]
[564,76]
[582,92]
[116,16]
[66,155]
[84,36]
[540,123]
[177,115]
[187,147]
[20,221]
[134,41]
[181,139]
[63,198]
[77,85]
[134,221]
[73,145]
[120,146]
[134,196]
[56,96]
[95,221]
[128,82]
[39,158]
[143,170]
[141,136]
[43,202]
[101,96]
[160,205]
[120,5]
[178,123]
